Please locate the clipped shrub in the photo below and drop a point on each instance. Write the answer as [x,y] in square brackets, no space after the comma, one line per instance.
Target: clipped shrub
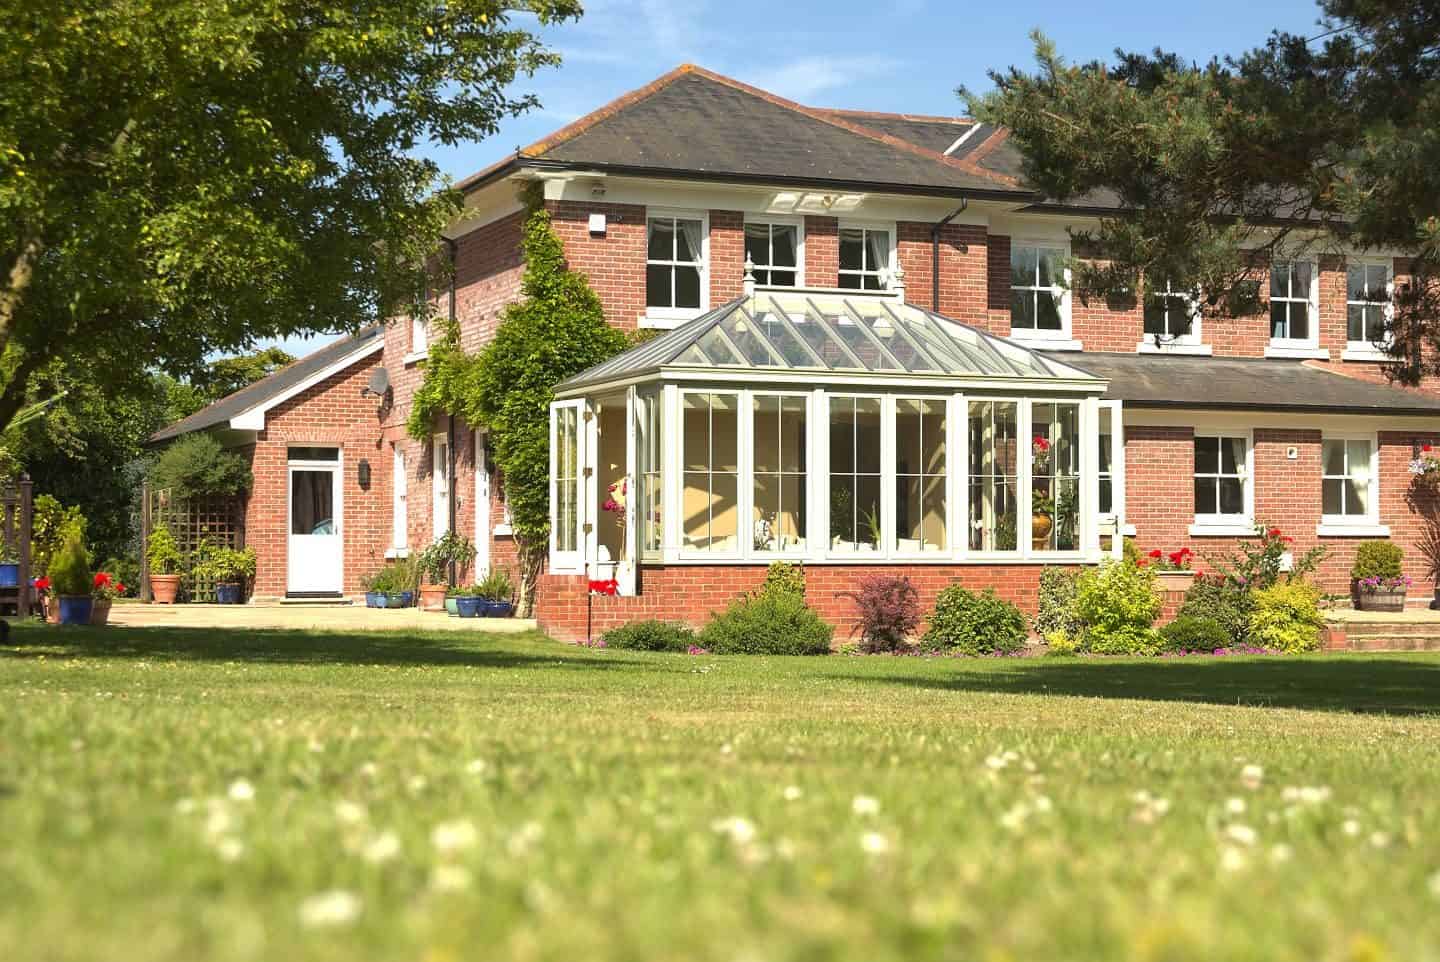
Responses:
[196,465]
[1377,559]
[70,568]
[650,635]
[785,577]
[1057,602]
[887,610]
[1060,645]
[1118,605]
[1223,601]
[968,623]
[50,523]
[1192,633]
[768,623]
[1287,617]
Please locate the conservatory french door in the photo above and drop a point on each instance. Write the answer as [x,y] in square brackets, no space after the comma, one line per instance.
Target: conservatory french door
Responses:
[572,481]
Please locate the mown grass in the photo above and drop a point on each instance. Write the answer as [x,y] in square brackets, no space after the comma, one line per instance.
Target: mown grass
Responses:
[647,807]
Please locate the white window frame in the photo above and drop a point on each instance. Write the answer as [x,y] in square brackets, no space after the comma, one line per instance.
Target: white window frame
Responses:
[885,274]
[1298,347]
[783,221]
[440,485]
[742,473]
[572,561]
[1369,350]
[1226,524]
[484,530]
[1353,525]
[1063,339]
[1023,440]
[892,493]
[399,504]
[882,551]
[1191,342]
[1108,521]
[419,340]
[668,317]
[747,470]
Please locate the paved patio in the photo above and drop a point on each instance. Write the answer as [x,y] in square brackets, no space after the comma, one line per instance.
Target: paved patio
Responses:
[306,617]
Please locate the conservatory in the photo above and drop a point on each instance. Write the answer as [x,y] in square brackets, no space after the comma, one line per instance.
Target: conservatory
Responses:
[829,427]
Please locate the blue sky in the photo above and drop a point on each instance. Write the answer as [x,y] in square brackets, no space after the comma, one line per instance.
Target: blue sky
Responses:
[907,56]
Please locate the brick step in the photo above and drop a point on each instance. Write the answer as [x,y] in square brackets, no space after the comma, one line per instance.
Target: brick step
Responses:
[1391,643]
[1395,629]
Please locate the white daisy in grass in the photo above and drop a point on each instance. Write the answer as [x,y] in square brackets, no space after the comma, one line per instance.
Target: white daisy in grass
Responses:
[1241,834]
[1305,794]
[1014,819]
[1235,806]
[370,770]
[381,848]
[873,843]
[1281,853]
[218,821]
[1251,776]
[349,813]
[1350,827]
[1379,840]
[1232,859]
[740,830]
[336,907]
[1042,804]
[450,878]
[477,766]
[1149,808]
[456,836]
[865,805]
[186,806]
[241,791]
[1435,885]
[792,793]
[229,849]
[524,838]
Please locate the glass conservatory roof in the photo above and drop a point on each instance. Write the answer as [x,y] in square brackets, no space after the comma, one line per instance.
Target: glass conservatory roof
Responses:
[814,332]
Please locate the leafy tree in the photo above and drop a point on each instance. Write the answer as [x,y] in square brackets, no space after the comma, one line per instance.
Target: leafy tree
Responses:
[556,331]
[223,377]
[1297,146]
[196,465]
[187,177]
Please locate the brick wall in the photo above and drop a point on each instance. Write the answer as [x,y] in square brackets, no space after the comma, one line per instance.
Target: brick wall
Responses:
[964,252]
[822,252]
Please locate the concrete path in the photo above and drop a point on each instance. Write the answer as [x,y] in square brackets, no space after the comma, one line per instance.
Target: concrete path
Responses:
[306,618]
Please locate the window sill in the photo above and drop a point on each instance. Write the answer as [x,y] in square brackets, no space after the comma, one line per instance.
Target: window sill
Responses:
[397,553]
[1197,350]
[503,531]
[1046,343]
[1296,353]
[414,357]
[1364,352]
[664,322]
[1351,529]
[1238,529]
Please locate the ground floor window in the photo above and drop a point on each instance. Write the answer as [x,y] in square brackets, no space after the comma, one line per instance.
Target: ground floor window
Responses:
[710,453]
[920,475]
[400,489]
[1348,466]
[1222,479]
[779,471]
[994,440]
[855,474]
[1055,477]
[566,475]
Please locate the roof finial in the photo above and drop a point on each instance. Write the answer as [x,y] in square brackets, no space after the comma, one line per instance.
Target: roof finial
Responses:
[897,282]
[748,284]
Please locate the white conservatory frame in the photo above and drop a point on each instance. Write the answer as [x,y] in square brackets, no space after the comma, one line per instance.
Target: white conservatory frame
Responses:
[666,368]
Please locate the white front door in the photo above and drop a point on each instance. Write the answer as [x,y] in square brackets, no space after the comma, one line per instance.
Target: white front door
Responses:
[482,508]
[316,556]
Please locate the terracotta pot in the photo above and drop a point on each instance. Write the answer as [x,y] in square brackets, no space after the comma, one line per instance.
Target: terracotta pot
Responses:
[52,610]
[100,612]
[1040,527]
[164,588]
[1177,582]
[432,597]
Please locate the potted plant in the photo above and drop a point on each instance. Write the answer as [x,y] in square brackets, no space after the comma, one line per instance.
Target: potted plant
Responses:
[374,586]
[47,599]
[164,557]
[9,566]
[1174,574]
[434,564]
[105,589]
[232,570]
[498,592]
[451,598]
[406,572]
[469,602]
[1378,582]
[72,582]
[1042,518]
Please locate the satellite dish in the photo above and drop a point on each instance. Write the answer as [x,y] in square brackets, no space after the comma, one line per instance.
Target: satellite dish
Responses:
[379,383]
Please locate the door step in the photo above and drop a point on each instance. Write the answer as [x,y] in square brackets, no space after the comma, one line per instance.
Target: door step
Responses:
[318,602]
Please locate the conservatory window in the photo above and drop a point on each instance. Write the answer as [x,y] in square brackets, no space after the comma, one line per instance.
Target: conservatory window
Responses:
[774,249]
[647,447]
[920,466]
[675,266]
[855,474]
[1037,293]
[864,258]
[1367,303]
[1348,489]
[567,478]
[1055,477]
[778,512]
[1107,461]
[710,519]
[994,430]
[1222,480]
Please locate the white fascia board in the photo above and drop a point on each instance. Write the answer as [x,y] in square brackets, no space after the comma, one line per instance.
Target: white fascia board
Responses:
[1210,419]
[253,419]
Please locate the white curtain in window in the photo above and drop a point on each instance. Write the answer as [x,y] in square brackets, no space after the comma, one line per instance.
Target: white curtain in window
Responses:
[877,244]
[694,239]
[1360,470]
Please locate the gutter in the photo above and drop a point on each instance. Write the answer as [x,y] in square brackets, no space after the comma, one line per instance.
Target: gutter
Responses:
[935,230]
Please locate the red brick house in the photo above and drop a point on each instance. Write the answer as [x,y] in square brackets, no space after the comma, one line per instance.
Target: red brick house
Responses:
[872,363]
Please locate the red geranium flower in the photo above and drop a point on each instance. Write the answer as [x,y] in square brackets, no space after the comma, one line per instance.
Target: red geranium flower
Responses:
[607,587]
[1425,448]
[43,584]
[1042,444]
[1157,554]
[1273,533]
[101,579]
[120,588]
[1176,557]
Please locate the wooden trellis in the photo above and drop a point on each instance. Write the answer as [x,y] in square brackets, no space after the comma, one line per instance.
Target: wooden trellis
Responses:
[16,519]
[217,520]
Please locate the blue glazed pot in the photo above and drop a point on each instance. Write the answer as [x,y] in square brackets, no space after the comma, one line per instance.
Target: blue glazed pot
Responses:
[9,576]
[469,607]
[499,609]
[374,599]
[227,594]
[75,609]
[407,599]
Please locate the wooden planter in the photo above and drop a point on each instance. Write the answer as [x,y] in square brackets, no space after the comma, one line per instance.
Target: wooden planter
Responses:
[432,597]
[100,612]
[1177,582]
[164,588]
[1380,599]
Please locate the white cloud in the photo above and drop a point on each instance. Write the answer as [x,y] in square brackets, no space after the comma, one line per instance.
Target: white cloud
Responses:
[807,77]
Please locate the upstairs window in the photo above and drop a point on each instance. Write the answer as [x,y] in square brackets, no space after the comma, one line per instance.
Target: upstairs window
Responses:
[1171,315]
[1037,294]
[864,258]
[1292,303]
[419,335]
[1367,303]
[674,266]
[774,249]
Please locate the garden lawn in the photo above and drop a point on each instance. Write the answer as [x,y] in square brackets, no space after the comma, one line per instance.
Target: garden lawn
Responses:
[175,795]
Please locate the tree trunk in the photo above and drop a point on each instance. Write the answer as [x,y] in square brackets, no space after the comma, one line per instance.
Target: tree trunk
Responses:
[530,560]
[22,272]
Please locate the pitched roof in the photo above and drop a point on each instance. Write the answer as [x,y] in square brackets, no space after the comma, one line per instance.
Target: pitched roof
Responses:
[815,333]
[338,355]
[699,123]
[1248,384]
